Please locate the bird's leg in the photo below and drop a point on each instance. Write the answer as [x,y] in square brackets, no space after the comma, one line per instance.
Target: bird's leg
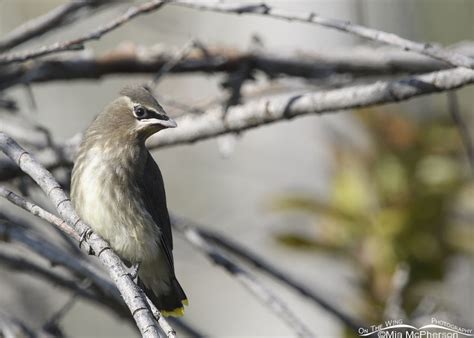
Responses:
[134,270]
[84,236]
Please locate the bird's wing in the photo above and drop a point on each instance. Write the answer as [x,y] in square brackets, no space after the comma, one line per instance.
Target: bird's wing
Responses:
[155,203]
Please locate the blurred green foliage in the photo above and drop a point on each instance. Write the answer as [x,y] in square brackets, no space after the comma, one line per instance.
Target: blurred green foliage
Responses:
[392,206]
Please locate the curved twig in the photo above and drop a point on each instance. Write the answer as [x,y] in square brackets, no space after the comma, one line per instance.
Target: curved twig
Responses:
[54,19]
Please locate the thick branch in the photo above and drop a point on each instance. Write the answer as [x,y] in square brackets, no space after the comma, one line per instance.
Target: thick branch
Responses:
[192,128]
[54,19]
[253,114]
[130,59]
[78,43]
[107,294]
[129,290]
[107,290]
[438,53]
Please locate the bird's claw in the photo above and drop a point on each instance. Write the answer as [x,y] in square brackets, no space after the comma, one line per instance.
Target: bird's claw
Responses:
[134,271]
[84,237]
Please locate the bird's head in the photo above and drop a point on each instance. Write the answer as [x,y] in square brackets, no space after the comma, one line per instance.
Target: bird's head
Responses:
[135,113]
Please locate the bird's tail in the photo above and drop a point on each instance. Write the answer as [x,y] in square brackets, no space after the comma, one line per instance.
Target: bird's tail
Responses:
[169,298]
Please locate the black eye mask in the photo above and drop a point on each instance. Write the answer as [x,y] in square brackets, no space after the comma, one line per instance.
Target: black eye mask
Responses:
[141,113]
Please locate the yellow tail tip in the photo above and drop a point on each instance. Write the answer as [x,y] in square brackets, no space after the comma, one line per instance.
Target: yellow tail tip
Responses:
[174,313]
[178,312]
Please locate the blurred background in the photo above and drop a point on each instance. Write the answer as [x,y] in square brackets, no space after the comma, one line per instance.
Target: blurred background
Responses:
[372,208]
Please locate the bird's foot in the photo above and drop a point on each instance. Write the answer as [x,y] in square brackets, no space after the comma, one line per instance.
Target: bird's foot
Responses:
[134,271]
[84,237]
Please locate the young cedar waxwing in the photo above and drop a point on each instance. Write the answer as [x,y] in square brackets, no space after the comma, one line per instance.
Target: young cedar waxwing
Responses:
[117,188]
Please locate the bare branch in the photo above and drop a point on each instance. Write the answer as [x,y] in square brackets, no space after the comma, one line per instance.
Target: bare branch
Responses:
[257,113]
[438,53]
[54,19]
[48,251]
[253,114]
[41,213]
[245,277]
[78,43]
[56,257]
[113,302]
[105,292]
[131,59]
[261,264]
[172,62]
[22,265]
[14,328]
[115,267]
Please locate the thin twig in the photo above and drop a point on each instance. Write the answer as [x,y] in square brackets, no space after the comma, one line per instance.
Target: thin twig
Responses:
[53,321]
[57,257]
[466,138]
[11,327]
[247,255]
[264,9]
[78,43]
[32,269]
[245,277]
[58,17]
[41,213]
[172,62]
[128,289]
[105,292]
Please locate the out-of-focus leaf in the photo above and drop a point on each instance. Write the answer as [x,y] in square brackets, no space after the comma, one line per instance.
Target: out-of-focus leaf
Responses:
[390,222]
[391,178]
[311,206]
[407,202]
[352,189]
[437,171]
[462,238]
[445,133]
[298,241]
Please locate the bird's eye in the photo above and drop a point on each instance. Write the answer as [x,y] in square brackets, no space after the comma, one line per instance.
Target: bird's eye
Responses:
[139,112]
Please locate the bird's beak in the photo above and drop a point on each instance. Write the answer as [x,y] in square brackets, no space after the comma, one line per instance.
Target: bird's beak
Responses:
[169,123]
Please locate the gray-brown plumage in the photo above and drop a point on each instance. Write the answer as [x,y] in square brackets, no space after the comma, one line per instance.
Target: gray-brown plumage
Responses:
[117,188]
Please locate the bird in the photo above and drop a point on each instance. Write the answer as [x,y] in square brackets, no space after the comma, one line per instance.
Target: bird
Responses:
[117,188]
